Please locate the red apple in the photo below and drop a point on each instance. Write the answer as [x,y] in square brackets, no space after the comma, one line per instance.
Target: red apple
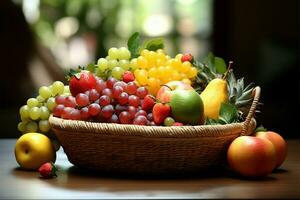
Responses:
[278,142]
[164,94]
[251,156]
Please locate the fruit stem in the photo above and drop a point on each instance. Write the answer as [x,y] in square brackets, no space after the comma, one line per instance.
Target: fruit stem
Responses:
[228,68]
[168,87]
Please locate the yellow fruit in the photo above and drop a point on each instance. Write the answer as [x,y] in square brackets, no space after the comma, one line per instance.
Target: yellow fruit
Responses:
[34,149]
[192,72]
[142,62]
[213,96]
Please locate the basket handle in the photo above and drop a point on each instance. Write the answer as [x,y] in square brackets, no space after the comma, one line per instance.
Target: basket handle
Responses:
[251,112]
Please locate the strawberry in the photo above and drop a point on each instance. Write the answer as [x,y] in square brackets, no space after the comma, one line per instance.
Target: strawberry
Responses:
[160,112]
[177,124]
[128,76]
[48,170]
[148,102]
[187,57]
[81,82]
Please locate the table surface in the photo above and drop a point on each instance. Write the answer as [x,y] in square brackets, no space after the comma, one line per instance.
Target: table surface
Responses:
[73,182]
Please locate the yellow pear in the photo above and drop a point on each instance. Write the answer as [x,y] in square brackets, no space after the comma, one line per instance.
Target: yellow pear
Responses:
[213,96]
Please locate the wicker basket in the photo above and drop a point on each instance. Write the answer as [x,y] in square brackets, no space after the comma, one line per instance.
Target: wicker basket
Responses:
[148,149]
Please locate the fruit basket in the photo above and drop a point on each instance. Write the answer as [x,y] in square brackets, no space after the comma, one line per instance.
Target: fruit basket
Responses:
[109,147]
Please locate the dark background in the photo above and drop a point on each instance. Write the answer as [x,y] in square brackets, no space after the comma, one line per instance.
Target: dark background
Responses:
[261,37]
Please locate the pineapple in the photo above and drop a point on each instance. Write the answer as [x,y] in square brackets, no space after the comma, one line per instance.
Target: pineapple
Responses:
[239,95]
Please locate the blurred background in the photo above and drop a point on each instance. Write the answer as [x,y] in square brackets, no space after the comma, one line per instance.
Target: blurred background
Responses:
[41,39]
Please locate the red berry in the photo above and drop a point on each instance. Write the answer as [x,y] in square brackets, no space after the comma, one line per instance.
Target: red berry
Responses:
[48,170]
[160,112]
[148,103]
[128,76]
[177,124]
[81,82]
[187,57]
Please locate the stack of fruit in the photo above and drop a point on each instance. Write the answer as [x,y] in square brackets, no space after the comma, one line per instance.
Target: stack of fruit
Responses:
[142,85]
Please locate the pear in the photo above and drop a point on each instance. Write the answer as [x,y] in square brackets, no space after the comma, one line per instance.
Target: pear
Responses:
[213,96]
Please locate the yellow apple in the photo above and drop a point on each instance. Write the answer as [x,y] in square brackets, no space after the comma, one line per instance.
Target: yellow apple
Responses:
[34,149]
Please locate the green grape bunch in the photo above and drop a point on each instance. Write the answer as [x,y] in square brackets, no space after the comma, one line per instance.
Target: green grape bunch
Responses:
[35,114]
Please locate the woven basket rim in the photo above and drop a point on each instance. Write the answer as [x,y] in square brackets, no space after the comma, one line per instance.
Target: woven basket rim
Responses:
[147,131]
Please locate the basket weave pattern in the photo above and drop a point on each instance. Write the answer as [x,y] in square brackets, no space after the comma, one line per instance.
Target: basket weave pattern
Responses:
[148,149]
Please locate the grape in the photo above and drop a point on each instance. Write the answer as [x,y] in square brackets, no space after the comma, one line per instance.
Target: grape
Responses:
[133,64]
[117,90]
[82,99]
[57,88]
[102,64]
[117,72]
[132,110]
[120,108]
[60,99]
[151,123]
[142,77]
[150,117]
[114,119]
[51,103]
[70,102]
[31,127]
[93,95]
[169,121]
[142,62]
[44,126]
[124,53]
[100,85]
[84,113]
[32,102]
[185,67]
[22,126]
[107,111]
[94,109]
[110,82]
[66,113]
[124,64]
[192,72]
[141,112]
[124,117]
[141,92]
[24,111]
[123,98]
[107,92]
[34,113]
[66,89]
[40,99]
[113,53]
[75,114]
[104,100]
[45,92]
[133,100]
[121,84]
[112,64]
[140,120]
[44,113]
[131,88]
[58,110]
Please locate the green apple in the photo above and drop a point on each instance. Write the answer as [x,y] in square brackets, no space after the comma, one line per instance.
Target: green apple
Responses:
[187,107]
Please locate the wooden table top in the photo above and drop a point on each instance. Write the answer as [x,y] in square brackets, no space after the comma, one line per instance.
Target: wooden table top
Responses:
[73,182]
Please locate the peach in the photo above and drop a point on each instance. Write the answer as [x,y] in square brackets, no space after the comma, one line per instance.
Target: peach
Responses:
[251,156]
[278,142]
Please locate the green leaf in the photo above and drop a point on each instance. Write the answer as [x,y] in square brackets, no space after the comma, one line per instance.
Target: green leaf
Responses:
[228,113]
[91,67]
[210,62]
[220,65]
[154,44]
[133,44]
[260,128]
